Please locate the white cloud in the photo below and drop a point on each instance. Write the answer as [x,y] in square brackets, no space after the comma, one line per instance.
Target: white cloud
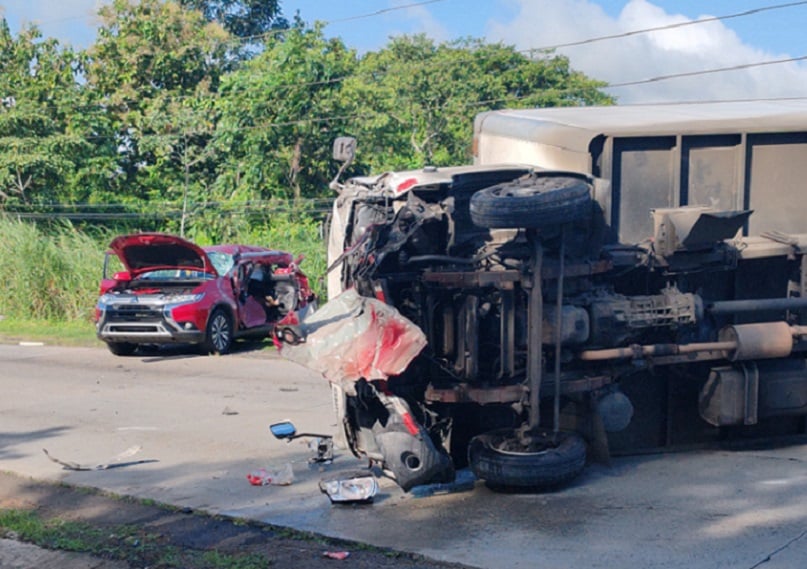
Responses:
[424,22]
[687,49]
[416,20]
[71,21]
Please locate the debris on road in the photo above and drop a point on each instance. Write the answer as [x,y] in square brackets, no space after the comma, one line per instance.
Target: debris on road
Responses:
[340,555]
[356,487]
[282,476]
[114,462]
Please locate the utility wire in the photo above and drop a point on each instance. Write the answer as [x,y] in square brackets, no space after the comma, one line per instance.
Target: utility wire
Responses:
[528,51]
[705,72]
[670,26]
[383,11]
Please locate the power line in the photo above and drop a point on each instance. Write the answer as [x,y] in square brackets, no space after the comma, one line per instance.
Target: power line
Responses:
[705,72]
[383,11]
[528,51]
[670,26]
[326,23]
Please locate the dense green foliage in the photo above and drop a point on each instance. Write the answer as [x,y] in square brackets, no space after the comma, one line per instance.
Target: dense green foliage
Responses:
[214,119]
[246,19]
[165,107]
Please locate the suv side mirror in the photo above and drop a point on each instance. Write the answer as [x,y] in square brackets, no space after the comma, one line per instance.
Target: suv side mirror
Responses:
[283,430]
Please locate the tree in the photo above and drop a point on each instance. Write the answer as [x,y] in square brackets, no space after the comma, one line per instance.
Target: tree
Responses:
[43,132]
[279,115]
[156,68]
[420,98]
[411,103]
[246,19]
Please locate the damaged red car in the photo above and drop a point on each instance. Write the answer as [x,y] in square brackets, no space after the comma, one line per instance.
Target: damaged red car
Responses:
[171,291]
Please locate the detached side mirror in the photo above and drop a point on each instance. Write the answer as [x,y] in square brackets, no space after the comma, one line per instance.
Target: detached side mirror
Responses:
[284,430]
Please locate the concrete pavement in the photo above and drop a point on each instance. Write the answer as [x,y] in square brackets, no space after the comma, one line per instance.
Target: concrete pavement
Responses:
[17,555]
[693,510]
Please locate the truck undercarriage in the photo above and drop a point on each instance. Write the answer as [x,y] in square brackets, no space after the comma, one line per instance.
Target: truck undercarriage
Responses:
[544,333]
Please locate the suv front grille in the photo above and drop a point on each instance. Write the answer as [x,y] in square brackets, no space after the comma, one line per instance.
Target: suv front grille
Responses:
[133,313]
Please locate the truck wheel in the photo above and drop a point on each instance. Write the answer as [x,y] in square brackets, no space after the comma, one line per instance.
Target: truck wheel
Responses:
[534,202]
[219,335]
[121,348]
[504,463]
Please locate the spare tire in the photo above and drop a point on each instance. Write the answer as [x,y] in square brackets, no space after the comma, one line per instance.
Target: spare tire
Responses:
[504,463]
[534,202]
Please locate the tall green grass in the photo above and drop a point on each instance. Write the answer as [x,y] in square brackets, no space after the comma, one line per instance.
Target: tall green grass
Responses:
[48,274]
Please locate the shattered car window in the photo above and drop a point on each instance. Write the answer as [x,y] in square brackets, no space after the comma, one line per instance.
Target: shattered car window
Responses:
[223,262]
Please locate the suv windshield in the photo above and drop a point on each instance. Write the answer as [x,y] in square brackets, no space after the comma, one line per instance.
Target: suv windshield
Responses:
[222,262]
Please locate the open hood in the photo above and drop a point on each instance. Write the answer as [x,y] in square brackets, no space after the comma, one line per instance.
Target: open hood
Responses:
[143,252]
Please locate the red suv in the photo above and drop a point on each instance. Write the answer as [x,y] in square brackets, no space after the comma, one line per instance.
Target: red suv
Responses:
[173,291]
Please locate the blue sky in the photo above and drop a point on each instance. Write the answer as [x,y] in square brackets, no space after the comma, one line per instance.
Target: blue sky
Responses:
[765,36]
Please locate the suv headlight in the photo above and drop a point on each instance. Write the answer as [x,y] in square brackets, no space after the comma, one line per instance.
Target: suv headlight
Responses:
[180,300]
[184,299]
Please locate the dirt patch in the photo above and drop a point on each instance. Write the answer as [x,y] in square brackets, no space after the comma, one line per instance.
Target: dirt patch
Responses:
[187,530]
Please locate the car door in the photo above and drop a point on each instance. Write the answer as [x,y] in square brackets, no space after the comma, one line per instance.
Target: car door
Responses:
[248,288]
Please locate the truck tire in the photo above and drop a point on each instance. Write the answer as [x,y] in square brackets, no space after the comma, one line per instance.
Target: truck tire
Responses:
[532,202]
[121,348]
[503,463]
[219,333]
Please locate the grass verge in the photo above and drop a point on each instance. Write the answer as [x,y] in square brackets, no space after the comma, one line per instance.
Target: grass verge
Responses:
[127,543]
[59,333]
[146,533]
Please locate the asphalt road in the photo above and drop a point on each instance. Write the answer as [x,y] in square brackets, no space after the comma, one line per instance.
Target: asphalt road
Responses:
[202,423]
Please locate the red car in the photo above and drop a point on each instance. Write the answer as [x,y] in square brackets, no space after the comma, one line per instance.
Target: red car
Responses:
[173,291]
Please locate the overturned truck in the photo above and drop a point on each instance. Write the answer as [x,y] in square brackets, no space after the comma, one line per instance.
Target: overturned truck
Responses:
[510,327]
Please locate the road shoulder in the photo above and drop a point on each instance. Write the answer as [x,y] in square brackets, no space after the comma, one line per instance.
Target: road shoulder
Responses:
[137,532]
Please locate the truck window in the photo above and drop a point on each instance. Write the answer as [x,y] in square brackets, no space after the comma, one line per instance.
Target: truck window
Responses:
[777,184]
[644,179]
[710,171]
